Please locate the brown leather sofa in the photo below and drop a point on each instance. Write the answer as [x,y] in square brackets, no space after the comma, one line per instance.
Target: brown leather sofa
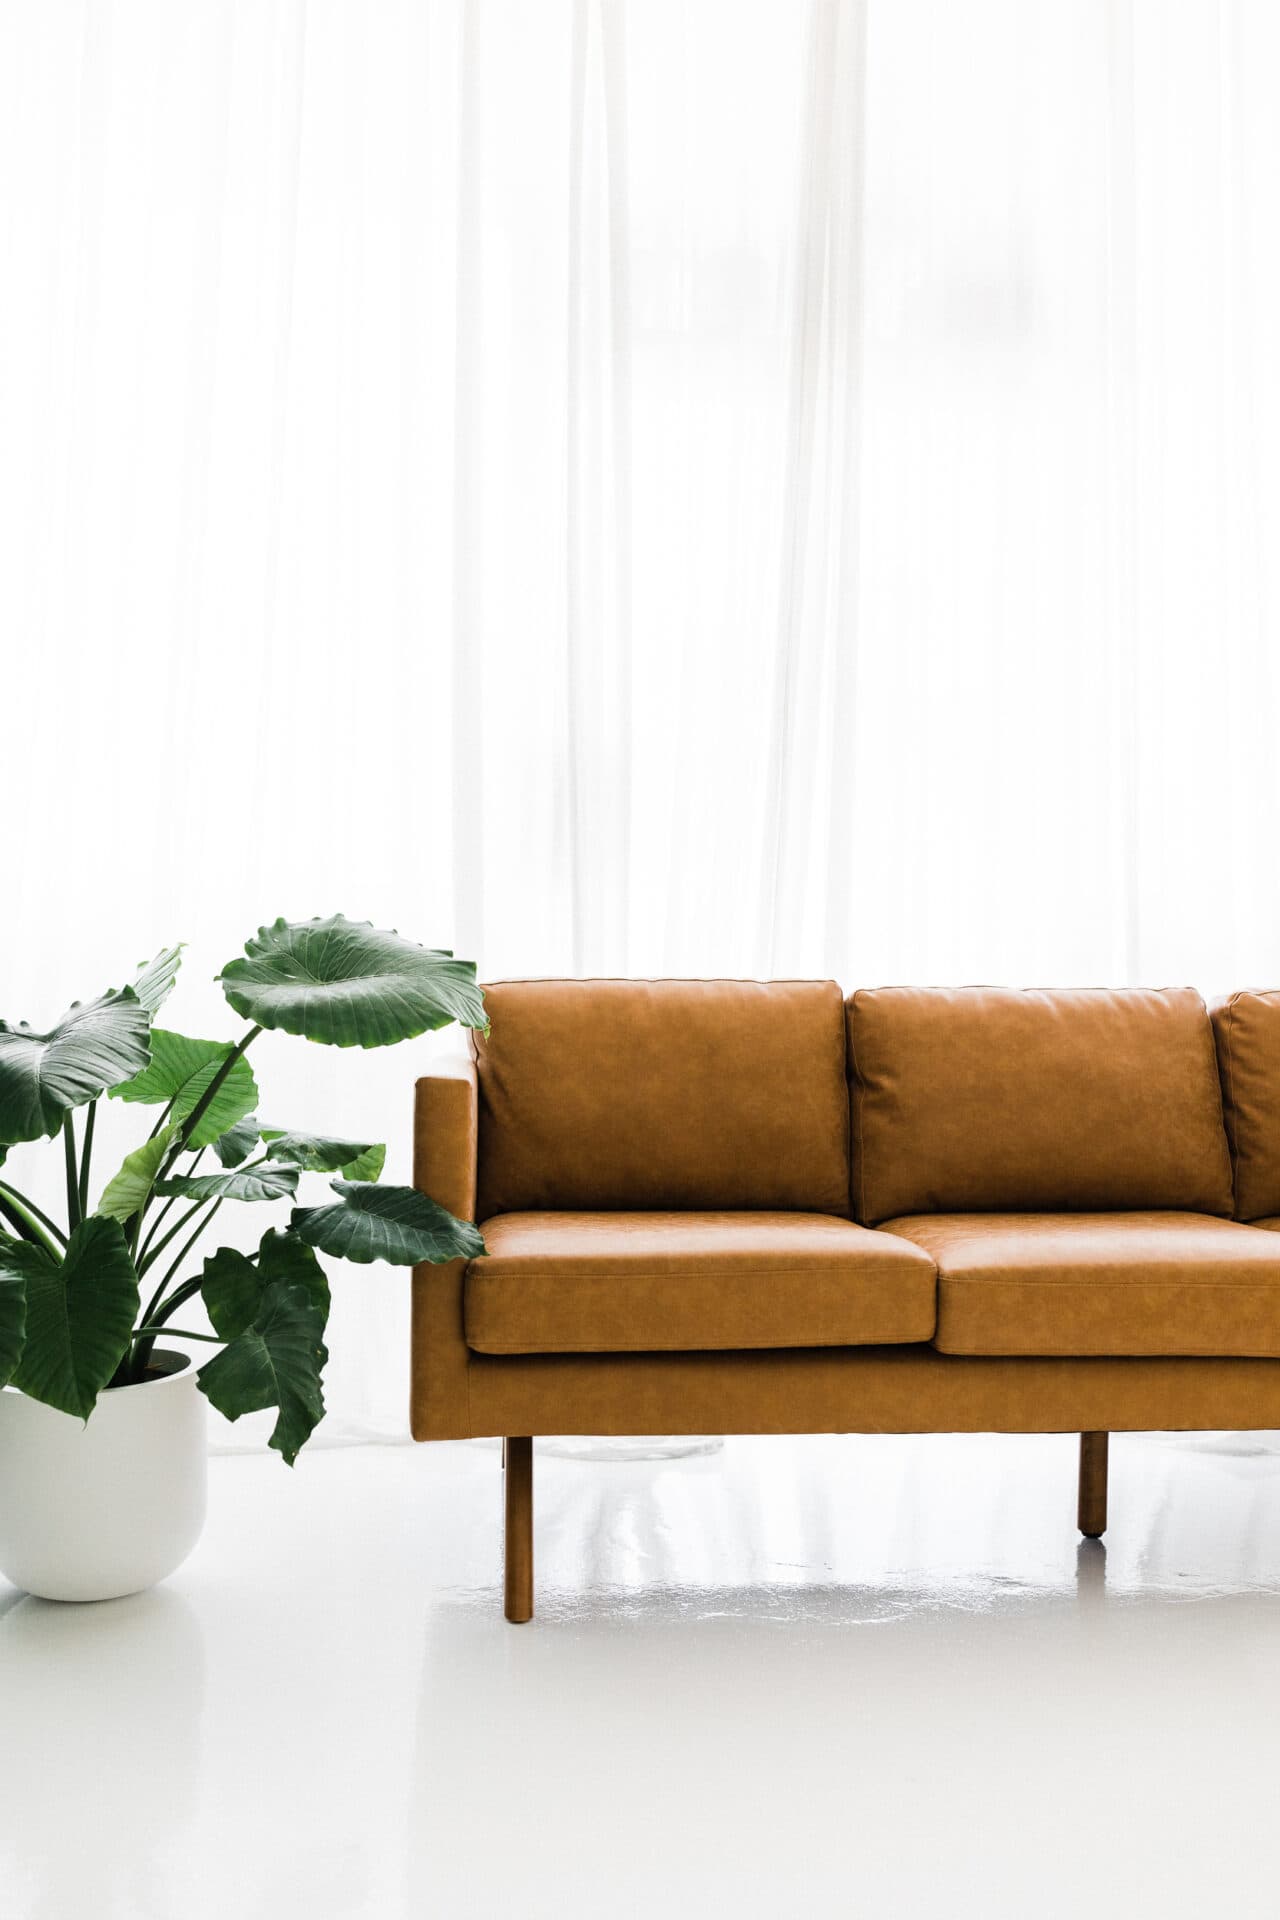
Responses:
[718,1206]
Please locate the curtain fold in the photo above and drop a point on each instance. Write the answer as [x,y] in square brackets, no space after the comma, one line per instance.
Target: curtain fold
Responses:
[747,488]
[598,772]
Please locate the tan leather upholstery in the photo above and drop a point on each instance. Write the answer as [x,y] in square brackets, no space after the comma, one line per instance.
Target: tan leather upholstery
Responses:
[1006,1134]
[1109,1283]
[626,1094]
[864,1390]
[1246,1028]
[646,1282]
[977,1099]
[444,1166]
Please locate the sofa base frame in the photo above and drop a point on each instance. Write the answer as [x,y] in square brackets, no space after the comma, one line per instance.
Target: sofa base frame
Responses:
[907,1389]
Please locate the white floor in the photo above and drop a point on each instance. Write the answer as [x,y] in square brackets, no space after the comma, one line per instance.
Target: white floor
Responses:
[872,1677]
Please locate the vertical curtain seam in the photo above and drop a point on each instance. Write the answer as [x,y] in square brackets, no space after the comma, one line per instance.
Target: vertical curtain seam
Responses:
[1122,395]
[467,848]
[846,641]
[573,487]
[812,277]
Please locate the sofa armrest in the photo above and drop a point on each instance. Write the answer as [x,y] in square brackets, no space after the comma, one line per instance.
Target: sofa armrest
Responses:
[445,1130]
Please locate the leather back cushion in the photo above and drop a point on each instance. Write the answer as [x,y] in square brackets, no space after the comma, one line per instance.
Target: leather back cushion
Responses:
[1247,1030]
[663,1094]
[988,1099]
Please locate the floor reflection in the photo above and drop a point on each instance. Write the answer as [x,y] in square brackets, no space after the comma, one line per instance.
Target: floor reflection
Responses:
[915,1688]
[1091,1572]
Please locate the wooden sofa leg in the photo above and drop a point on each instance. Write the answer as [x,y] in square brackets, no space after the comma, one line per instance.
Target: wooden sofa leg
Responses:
[1091,1513]
[518,1491]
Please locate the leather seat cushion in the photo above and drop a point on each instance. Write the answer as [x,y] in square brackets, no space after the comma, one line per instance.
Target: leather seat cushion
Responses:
[688,1282]
[1106,1283]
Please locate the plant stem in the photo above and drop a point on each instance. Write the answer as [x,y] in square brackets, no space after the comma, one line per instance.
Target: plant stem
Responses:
[181,1333]
[178,1298]
[133,1226]
[156,1225]
[200,1227]
[86,1155]
[154,1254]
[74,1215]
[167,1208]
[206,1099]
[142,1346]
[26,1227]
[23,1214]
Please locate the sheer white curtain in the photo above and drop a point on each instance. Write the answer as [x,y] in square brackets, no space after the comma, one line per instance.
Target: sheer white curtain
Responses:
[738,487]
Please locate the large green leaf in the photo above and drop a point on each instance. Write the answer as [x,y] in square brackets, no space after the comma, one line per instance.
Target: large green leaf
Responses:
[346,984]
[80,1315]
[155,980]
[180,1071]
[238,1142]
[13,1301]
[231,1288]
[396,1224]
[276,1362]
[266,1182]
[126,1192]
[321,1153]
[233,1285]
[93,1048]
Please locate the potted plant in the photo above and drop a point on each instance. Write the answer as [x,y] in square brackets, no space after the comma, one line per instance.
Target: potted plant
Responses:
[102,1447]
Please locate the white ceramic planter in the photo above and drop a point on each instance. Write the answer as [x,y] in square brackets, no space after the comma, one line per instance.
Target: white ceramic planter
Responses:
[93,1510]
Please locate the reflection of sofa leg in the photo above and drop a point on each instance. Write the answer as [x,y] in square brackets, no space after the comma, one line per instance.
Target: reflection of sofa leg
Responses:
[1091,1514]
[518,1488]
